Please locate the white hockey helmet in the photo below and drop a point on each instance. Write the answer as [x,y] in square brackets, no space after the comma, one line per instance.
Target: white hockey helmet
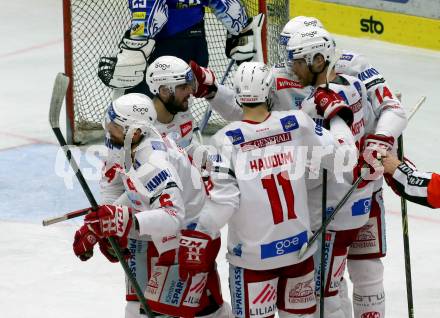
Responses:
[133,110]
[308,42]
[253,83]
[296,24]
[169,71]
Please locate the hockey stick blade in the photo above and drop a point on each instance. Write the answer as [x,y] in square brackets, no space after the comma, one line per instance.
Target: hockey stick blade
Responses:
[257,26]
[56,102]
[307,245]
[65,217]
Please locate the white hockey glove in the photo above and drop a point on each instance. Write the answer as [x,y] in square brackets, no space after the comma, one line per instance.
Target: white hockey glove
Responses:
[246,45]
[128,67]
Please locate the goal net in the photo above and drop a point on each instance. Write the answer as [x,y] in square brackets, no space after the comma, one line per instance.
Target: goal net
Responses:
[93,28]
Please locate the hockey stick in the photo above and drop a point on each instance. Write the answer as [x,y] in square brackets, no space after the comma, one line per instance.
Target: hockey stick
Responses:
[322,277]
[208,112]
[322,260]
[59,91]
[406,249]
[405,231]
[416,107]
[65,217]
[306,246]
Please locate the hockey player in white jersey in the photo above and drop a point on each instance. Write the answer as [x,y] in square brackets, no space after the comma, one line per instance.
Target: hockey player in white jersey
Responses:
[364,264]
[259,189]
[310,53]
[176,84]
[389,121]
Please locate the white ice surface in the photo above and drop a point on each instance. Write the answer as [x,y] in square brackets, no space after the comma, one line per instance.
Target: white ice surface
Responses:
[39,275]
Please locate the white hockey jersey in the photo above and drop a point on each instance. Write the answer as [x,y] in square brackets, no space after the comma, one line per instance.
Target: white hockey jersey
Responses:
[180,130]
[259,187]
[288,93]
[355,212]
[116,189]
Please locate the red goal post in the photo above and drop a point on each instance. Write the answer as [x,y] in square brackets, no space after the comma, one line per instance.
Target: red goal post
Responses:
[93,28]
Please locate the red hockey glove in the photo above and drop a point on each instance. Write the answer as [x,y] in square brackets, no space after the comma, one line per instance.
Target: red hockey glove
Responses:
[378,142]
[197,253]
[206,87]
[374,148]
[329,104]
[107,221]
[167,258]
[83,243]
[107,250]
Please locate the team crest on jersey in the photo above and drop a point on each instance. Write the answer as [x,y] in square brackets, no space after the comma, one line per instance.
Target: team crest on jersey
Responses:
[236,136]
[186,128]
[346,57]
[289,123]
[283,83]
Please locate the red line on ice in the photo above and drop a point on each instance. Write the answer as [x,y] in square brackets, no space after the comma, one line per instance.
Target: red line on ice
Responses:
[31,48]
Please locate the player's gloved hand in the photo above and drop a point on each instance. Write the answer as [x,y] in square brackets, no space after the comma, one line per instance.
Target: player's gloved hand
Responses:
[373,149]
[107,221]
[197,253]
[167,258]
[206,87]
[109,253]
[241,47]
[127,69]
[330,104]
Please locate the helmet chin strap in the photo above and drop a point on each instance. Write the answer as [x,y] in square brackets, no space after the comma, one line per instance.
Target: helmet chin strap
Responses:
[315,74]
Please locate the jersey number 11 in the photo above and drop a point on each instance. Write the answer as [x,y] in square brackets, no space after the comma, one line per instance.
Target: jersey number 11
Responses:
[270,185]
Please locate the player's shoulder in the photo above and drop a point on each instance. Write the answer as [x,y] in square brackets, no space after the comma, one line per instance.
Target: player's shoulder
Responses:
[352,63]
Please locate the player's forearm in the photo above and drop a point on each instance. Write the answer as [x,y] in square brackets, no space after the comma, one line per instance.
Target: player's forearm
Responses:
[224,103]
[214,217]
[231,13]
[392,122]
[148,18]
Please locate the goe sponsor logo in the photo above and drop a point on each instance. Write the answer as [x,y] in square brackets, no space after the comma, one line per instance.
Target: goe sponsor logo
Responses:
[372,26]
[283,246]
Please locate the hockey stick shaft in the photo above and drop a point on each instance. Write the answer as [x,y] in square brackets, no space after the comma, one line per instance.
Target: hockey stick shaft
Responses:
[323,267]
[65,217]
[208,112]
[406,248]
[414,110]
[341,203]
[59,91]
[405,233]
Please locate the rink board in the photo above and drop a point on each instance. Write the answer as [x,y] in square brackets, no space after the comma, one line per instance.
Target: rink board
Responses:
[364,22]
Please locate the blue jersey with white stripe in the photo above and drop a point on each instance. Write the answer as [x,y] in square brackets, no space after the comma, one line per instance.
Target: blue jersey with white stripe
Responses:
[150,17]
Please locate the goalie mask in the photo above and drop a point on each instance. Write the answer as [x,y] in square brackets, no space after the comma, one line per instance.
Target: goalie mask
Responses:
[307,43]
[296,24]
[253,83]
[131,111]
